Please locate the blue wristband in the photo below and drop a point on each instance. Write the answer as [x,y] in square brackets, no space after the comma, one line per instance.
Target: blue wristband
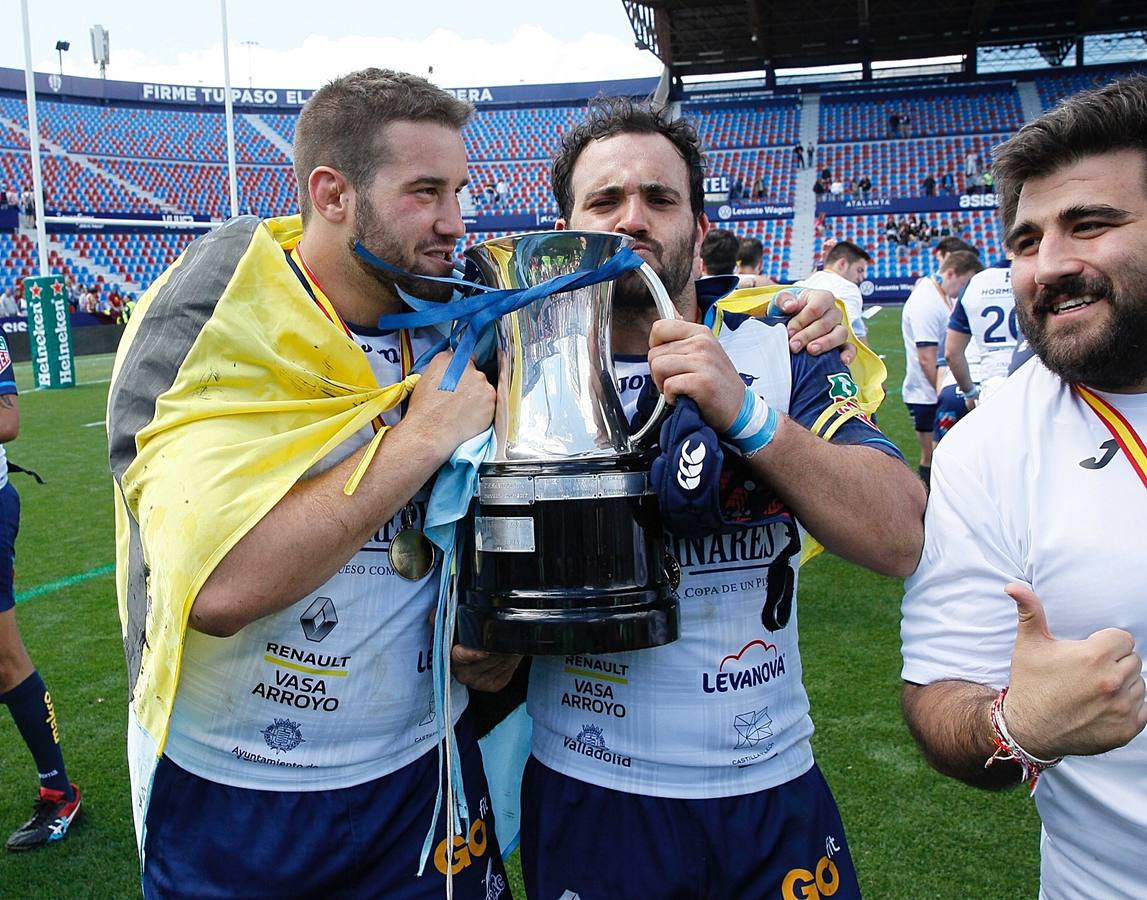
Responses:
[755,426]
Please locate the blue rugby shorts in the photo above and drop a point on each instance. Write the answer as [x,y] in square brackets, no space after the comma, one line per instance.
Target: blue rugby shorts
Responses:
[923,415]
[9,527]
[204,839]
[599,844]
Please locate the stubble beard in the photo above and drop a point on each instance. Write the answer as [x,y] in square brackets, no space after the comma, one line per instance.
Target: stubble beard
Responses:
[373,235]
[1110,356]
[632,300]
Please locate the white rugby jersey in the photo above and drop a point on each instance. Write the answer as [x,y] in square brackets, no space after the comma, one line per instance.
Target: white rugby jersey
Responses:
[339,683]
[1034,489]
[923,321]
[986,310]
[722,710]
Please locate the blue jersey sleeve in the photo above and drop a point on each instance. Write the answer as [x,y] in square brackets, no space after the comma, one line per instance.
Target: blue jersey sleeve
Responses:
[824,398]
[958,321]
[7,375]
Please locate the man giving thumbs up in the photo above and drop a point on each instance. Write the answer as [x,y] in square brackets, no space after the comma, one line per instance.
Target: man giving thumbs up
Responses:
[1026,619]
[1071,698]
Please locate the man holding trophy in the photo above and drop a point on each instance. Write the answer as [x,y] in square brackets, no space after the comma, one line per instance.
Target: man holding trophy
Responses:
[271,450]
[703,745]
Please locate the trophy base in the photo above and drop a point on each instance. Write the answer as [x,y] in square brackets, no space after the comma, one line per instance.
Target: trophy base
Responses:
[565,557]
[636,621]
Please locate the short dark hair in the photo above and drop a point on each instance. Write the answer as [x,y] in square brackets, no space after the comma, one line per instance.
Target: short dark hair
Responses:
[952,244]
[846,250]
[963,262]
[1103,120]
[342,124]
[719,251]
[750,252]
[611,116]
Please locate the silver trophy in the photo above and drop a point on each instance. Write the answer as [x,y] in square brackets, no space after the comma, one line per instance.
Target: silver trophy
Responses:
[563,551]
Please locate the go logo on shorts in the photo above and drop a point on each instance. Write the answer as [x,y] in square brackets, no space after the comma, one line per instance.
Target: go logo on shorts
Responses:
[465,849]
[824,882]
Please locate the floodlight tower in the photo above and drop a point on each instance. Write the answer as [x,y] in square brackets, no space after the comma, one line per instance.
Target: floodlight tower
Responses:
[61,46]
[101,48]
[249,45]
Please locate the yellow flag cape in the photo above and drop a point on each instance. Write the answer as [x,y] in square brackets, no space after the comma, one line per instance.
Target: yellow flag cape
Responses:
[867,369]
[229,384]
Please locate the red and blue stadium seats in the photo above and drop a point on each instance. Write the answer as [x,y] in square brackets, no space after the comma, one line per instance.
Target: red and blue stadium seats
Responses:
[108,160]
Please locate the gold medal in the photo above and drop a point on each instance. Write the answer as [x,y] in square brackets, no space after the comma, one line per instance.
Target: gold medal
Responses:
[411,553]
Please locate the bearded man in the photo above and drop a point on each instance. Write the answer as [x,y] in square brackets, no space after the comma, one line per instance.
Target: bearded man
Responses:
[707,741]
[1039,497]
[282,716]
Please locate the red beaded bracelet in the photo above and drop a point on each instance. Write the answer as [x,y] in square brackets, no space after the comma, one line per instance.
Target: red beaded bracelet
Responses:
[1008,748]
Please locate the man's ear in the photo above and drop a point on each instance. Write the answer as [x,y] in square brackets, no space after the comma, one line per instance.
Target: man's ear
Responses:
[702,229]
[330,194]
[561,225]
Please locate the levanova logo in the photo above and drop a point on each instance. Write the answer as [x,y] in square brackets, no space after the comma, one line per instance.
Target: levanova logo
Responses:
[758,662]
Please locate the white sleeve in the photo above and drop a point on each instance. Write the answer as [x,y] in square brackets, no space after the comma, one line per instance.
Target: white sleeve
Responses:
[957,622]
[848,293]
[854,303]
[922,317]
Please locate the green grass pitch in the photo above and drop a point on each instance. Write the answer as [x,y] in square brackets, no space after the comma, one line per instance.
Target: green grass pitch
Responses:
[913,834]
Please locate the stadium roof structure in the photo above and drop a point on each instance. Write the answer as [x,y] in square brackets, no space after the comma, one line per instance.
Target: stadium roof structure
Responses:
[702,37]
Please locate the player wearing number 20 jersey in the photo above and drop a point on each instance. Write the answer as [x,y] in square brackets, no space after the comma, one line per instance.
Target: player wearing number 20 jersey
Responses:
[986,314]
[987,311]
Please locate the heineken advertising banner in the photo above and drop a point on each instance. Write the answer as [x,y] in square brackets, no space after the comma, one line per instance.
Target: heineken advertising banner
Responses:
[50,331]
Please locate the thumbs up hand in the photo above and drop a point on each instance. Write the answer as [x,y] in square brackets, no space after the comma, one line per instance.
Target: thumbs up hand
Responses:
[1071,697]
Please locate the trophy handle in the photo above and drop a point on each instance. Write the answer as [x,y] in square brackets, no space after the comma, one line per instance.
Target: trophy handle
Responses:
[668,311]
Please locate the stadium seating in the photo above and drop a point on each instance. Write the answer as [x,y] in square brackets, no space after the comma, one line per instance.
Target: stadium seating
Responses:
[775,236]
[775,166]
[942,110]
[979,227]
[135,161]
[726,126]
[527,186]
[123,262]
[945,124]
[897,168]
[519,134]
[139,133]
[1055,86]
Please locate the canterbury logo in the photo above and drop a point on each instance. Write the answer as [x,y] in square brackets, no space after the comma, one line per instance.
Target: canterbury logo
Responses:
[689,466]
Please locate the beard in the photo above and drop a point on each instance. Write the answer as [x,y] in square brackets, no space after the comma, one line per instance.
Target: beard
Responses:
[1109,356]
[374,236]
[673,266]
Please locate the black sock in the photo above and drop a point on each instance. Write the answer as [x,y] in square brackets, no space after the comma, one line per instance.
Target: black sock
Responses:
[925,473]
[31,707]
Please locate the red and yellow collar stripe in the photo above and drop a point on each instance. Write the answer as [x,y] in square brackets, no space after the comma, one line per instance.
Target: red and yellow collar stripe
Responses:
[1123,432]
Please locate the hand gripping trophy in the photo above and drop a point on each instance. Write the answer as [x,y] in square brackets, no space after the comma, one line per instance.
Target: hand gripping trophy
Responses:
[563,549]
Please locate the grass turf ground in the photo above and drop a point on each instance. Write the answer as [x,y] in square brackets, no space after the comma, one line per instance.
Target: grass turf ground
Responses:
[913,834]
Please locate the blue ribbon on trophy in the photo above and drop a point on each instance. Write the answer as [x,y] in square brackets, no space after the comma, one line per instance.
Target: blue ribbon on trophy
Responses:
[472,315]
[468,315]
